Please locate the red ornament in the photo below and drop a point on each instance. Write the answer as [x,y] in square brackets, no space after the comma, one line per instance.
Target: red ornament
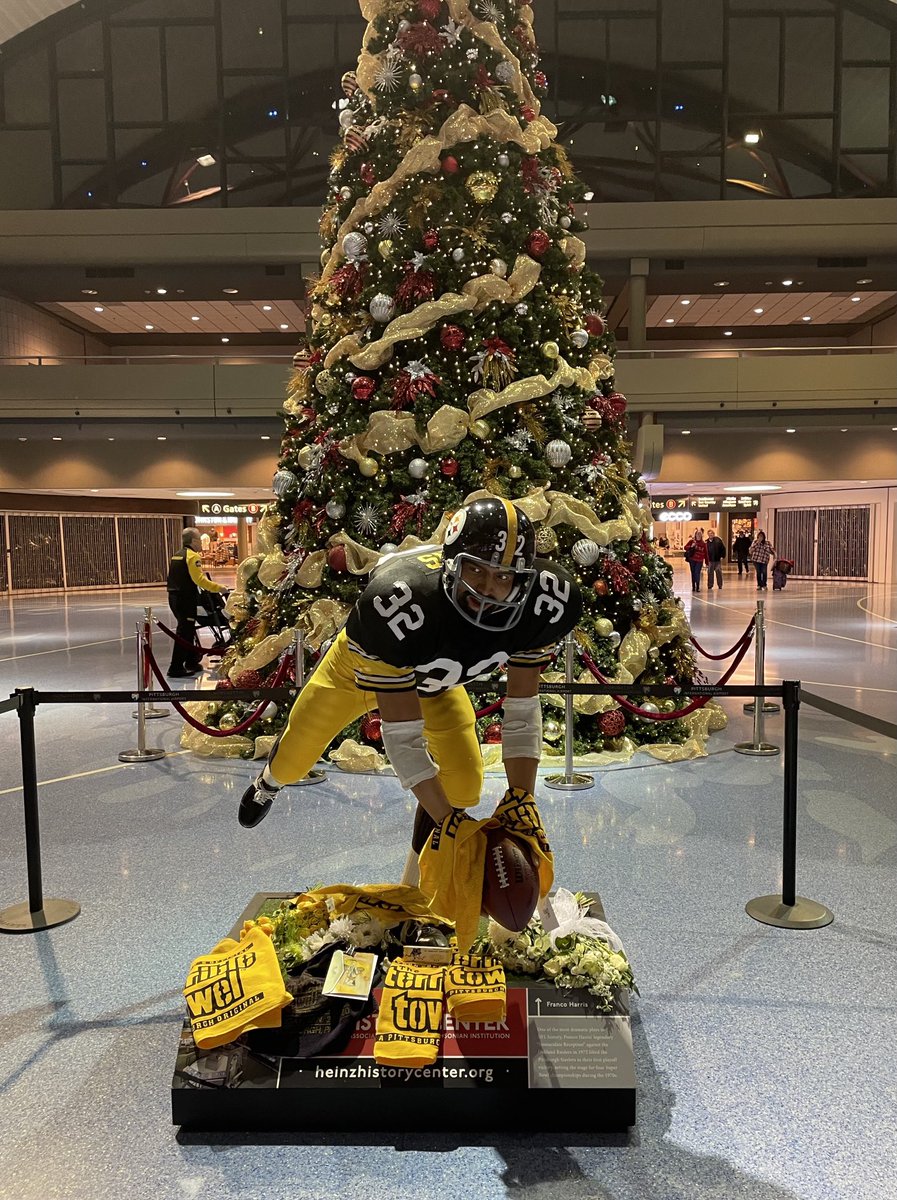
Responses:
[612,723]
[452,337]
[600,587]
[371,728]
[449,467]
[223,685]
[450,165]
[336,559]
[431,239]
[528,113]
[617,402]
[595,325]
[368,174]
[248,679]
[538,242]
[540,79]
[492,733]
[363,387]
[441,96]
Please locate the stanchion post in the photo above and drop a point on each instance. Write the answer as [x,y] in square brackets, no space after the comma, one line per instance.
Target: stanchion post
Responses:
[299,678]
[150,712]
[37,913]
[570,781]
[789,911]
[143,753]
[758,747]
[760,660]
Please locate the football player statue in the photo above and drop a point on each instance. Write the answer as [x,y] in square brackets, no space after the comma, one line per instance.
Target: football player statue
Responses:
[430,620]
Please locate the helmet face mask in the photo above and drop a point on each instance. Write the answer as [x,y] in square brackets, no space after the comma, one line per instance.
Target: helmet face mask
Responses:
[497,538]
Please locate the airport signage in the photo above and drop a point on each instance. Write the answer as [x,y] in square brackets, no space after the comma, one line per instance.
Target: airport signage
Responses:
[223,508]
[710,502]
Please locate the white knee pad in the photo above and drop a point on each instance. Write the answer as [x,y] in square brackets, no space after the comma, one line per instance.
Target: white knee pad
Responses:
[406,749]
[521,730]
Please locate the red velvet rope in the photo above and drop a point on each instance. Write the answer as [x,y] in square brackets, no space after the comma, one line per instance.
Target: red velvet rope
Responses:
[193,647]
[489,709]
[747,634]
[698,702]
[208,729]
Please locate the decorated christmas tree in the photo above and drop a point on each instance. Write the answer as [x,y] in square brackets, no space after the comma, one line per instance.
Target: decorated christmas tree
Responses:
[456,347]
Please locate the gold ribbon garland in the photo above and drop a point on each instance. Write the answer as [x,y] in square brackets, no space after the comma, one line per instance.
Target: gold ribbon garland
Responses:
[521,391]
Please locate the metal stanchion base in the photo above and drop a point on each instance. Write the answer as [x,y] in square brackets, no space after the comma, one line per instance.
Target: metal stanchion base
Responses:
[768,707]
[150,754]
[569,783]
[761,749]
[152,714]
[802,914]
[311,777]
[20,918]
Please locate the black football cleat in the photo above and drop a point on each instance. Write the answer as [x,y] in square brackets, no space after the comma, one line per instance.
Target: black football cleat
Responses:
[255,802]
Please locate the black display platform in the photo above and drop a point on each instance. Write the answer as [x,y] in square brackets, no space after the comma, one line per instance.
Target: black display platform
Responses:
[487,1076]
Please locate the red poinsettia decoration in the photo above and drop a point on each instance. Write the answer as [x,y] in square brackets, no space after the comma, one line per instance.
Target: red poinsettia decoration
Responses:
[428,10]
[416,379]
[483,80]
[530,173]
[619,578]
[417,285]
[418,40]
[348,281]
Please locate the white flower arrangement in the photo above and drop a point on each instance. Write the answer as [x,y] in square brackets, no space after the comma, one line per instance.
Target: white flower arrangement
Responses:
[581,952]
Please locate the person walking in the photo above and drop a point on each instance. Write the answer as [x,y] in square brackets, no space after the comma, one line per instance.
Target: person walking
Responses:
[696,556]
[759,554]
[716,552]
[740,548]
[185,580]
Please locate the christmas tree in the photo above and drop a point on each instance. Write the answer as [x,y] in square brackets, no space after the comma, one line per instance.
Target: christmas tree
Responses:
[456,347]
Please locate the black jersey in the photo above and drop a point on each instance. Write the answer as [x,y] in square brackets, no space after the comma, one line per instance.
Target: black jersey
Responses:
[405,633]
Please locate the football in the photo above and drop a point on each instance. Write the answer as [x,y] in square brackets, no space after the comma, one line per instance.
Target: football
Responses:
[510,881]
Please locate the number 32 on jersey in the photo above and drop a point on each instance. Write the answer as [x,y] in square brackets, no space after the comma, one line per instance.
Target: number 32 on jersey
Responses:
[400,614]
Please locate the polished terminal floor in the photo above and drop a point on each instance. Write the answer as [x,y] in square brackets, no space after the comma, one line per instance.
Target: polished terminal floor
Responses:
[765,1056]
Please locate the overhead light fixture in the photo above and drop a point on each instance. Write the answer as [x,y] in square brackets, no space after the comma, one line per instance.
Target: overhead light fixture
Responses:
[844,430]
[685,432]
[685,302]
[670,320]
[754,487]
[266,437]
[855,299]
[98,308]
[758,311]
[588,196]
[110,439]
[787,282]
[791,431]
[284,326]
[88,291]
[161,438]
[194,318]
[206,160]
[752,137]
[56,439]
[727,333]
[94,490]
[231,291]
[225,340]
[864,281]
[266,308]
[161,291]
[21,439]
[204,495]
[149,327]
[806,318]
[721,283]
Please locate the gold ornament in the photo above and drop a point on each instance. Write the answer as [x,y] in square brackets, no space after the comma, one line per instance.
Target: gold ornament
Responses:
[326,383]
[368,467]
[386,248]
[552,730]
[550,349]
[546,539]
[480,429]
[482,185]
[309,457]
[514,471]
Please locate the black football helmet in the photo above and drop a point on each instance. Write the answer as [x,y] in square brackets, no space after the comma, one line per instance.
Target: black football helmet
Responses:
[489,533]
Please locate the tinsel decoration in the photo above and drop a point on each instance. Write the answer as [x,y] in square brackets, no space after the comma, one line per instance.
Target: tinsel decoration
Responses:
[619,578]
[409,510]
[248,680]
[347,281]
[428,10]
[494,364]
[612,723]
[634,562]
[416,379]
[416,286]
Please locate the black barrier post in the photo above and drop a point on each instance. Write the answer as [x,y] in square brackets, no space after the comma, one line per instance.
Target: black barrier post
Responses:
[789,911]
[37,913]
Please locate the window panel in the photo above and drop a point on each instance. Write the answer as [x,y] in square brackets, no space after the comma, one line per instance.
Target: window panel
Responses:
[26,90]
[82,118]
[251,33]
[26,169]
[753,77]
[861,38]
[633,44]
[693,31]
[81,50]
[192,83]
[136,75]
[864,119]
[35,558]
[809,50]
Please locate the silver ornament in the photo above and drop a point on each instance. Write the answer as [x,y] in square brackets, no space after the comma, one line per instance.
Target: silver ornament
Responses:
[403,25]
[498,267]
[415,81]
[418,468]
[270,710]
[503,160]
[504,72]
[579,338]
[368,226]
[346,118]
[382,307]
[586,552]
[284,481]
[648,706]
[458,254]
[521,309]
[507,218]
[354,244]
[335,509]
[345,193]
[614,638]
[558,453]
[636,606]
[565,222]
[388,548]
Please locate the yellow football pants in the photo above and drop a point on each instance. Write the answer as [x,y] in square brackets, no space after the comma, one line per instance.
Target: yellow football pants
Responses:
[330,701]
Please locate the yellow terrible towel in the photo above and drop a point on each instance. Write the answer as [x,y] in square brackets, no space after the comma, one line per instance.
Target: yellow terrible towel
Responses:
[453,860]
[389,902]
[409,1020]
[475,989]
[236,986]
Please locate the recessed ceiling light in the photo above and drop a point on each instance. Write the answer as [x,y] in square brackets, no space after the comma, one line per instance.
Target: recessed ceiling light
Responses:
[161,291]
[206,495]
[864,281]
[266,308]
[806,318]
[266,437]
[149,327]
[758,311]
[284,326]
[791,431]
[194,318]
[161,438]
[225,340]
[88,291]
[98,308]
[685,302]
[21,439]
[110,439]
[231,291]
[855,299]
[56,439]
[787,282]
[686,432]
[721,283]
[727,333]
[844,430]
[670,320]
[94,490]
